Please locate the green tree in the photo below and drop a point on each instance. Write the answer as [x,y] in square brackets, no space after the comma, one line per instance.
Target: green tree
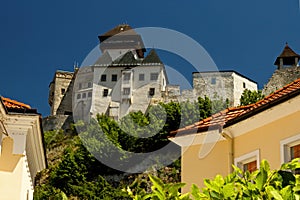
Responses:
[250,97]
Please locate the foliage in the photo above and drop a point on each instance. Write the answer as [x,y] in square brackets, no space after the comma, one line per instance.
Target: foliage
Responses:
[264,183]
[75,173]
[249,97]
[219,105]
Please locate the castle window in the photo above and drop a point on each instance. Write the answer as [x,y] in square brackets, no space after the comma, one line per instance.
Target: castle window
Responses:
[84,95]
[244,85]
[105,92]
[89,84]
[213,81]
[114,77]
[63,90]
[153,76]
[141,77]
[151,91]
[103,78]
[78,96]
[90,94]
[126,77]
[126,91]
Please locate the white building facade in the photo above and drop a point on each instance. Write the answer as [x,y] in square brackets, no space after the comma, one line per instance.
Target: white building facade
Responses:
[22,151]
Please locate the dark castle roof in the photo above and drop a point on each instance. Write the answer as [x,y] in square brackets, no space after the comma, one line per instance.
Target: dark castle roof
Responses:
[125,29]
[288,56]
[152,57]
[127,58]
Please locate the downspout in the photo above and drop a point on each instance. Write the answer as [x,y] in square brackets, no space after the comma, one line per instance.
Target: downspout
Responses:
[228,136]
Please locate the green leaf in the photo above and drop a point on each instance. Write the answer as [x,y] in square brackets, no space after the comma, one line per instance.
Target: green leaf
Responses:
[196,192]
[229,190]
[157,184]
[287,192]
[273,193]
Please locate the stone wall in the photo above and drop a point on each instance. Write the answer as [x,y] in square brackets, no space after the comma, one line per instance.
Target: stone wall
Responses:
[280,78]
[59,89]
[214,85]
[58,122]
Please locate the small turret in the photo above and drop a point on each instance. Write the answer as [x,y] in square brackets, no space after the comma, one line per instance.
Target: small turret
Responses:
[287,58]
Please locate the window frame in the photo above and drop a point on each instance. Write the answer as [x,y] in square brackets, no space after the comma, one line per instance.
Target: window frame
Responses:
[141,77]
[114,77]
[126,89]
[285,147]
[103,78]
[247,158]
[151,91]
[213,80]
[105,92]
[156,74]
[126,76]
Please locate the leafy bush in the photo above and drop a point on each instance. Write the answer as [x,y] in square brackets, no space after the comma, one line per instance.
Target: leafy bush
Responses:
[249,97]
[264,183]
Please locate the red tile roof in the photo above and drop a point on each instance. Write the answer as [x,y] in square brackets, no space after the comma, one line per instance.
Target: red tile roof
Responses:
[15,106]
[233,115]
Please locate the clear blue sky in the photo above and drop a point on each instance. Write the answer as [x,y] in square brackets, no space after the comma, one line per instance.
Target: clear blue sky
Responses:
[40,37]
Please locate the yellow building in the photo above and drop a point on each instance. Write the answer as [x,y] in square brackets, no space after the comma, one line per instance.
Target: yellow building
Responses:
[242,136]
[22,152]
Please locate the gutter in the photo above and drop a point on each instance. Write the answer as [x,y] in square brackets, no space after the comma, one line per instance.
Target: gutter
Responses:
[228,136]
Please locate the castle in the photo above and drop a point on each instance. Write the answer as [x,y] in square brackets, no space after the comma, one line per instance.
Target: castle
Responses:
[126,79]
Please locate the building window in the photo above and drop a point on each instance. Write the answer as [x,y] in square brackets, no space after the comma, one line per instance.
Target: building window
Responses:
[244,85]
[84,95]
[114,77]
[89,84]
[250,166]
[80,86]
[126,77]
[126,91]
[290,148]
[90,94]
[151,91]
[63,90]
[153,76]
[213,81]
[103,78]
[141,77]
[248,162]
[105,92]
[78,96]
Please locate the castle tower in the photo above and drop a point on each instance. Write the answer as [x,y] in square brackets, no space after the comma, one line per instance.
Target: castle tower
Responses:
[119,40]
[287,58]
[60,93]
[287,71]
